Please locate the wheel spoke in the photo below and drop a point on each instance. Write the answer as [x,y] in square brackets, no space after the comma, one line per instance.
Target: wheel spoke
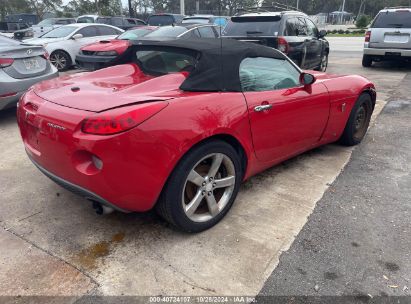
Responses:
[195,178]
[193,205]
[212,205]
[215,165]
[224,182]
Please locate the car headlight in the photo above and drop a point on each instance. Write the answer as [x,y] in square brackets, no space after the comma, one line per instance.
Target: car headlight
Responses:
[28,34]
[107,53]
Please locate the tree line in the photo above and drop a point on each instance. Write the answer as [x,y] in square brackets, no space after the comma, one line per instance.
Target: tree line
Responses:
[225,7]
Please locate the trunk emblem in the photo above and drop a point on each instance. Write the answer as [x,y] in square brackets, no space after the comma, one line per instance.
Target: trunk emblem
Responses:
[29,51]
[54,126]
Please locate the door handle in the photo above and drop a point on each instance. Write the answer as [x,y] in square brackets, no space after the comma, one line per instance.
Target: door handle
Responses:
[263,108]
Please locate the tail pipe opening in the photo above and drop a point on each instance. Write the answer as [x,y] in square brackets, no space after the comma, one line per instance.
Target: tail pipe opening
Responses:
[101,209]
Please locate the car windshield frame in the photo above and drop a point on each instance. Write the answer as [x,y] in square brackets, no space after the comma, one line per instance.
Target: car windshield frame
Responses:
[393,19]
[59,29]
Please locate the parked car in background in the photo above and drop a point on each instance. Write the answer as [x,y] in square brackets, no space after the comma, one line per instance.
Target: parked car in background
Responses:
[389,36]
[181,126]
[207,19]
[164,19]
[185,31]
[121,22]
[110,52]
[29,19]
[23,34]
[87,19]
[21,66]
[64,43]
[49,24]
[291,32]
[11,27]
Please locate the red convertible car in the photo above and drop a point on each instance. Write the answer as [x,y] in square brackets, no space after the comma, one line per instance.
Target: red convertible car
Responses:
[184,123]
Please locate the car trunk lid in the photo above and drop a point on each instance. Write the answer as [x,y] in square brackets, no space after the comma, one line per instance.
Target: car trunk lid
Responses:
[29,61]
[109,88]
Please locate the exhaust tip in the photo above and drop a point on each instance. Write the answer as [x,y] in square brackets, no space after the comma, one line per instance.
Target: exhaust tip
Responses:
[101,209]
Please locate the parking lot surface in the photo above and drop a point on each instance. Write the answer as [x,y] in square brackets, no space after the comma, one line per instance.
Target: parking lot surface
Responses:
[138,254]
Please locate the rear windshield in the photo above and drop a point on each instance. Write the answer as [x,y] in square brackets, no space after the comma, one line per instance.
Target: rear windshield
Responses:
[398,19]
[46,22]
[196,20]
[247,26]
[5,41]
[134,34]
[160,20]
[85,20]
[159,62]
[168,31]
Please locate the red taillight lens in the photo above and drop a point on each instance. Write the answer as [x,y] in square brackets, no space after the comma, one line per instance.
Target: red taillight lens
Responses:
[5,62]
[121,119]
[46,55]
[282,45]
[368,36]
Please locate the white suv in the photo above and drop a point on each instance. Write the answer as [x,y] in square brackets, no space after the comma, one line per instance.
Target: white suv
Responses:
[389,36]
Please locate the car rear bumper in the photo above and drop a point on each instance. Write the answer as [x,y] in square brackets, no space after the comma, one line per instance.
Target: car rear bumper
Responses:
[387,52]
[133,170]
[76,189]
[17,87]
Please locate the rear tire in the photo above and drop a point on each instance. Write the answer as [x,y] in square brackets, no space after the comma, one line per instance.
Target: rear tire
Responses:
[358,122]
[61,60]
[366,61]
[202,187]
[324,63]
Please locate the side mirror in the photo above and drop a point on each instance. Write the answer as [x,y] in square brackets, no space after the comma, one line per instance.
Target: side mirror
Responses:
[322,33]
[77,36]
[307,79]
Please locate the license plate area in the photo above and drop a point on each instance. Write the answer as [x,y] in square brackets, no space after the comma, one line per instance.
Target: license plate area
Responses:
[32,138]
[31,64]
[396,38]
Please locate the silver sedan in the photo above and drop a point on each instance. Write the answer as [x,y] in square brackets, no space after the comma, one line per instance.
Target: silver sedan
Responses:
[21,66]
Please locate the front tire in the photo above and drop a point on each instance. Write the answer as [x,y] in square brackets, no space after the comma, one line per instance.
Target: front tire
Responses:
[202,188]
[366,61]
[61,60]
[324,63]
[358,122]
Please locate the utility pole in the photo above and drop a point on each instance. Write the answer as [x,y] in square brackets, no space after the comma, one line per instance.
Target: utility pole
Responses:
[197,7]
[182,9]
[342,11]
[298,4]
[130,9]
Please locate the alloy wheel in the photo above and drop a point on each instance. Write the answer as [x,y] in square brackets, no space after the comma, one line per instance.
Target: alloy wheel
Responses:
[208,187]
[58,60]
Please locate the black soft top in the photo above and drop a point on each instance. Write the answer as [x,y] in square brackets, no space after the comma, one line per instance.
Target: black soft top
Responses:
[218,61]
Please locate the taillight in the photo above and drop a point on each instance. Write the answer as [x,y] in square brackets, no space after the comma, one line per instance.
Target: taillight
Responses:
[282,45]
[5,62]
[121,119]
[368,36]
[46,55]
